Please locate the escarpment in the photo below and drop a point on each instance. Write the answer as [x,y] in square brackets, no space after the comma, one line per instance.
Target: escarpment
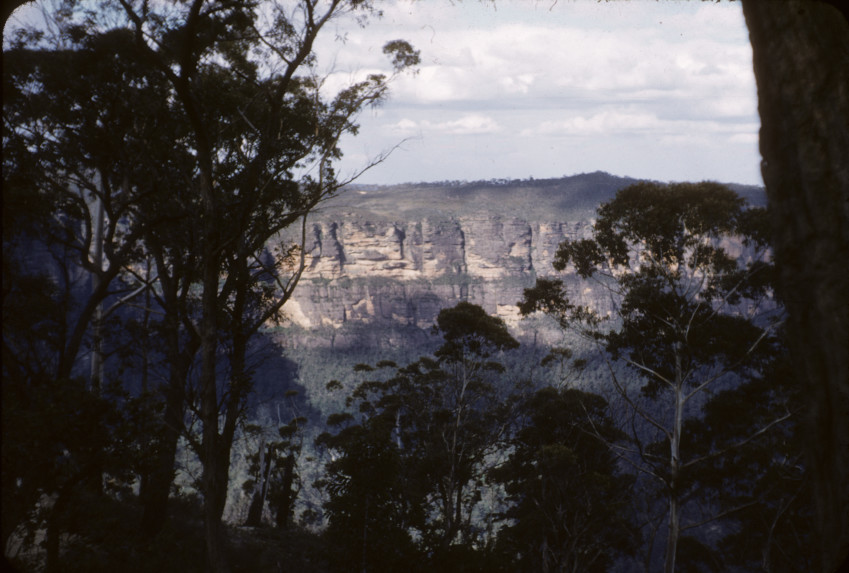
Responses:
[406,271]
[395,256]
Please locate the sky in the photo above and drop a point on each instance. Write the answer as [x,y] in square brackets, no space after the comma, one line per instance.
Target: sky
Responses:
[546,88]
[512,89]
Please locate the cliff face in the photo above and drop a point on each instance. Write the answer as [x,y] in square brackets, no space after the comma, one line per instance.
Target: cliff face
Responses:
[396,256]
[407,270]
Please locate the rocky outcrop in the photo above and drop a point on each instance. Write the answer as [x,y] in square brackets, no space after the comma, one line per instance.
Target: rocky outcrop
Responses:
[396,256]
[406,271]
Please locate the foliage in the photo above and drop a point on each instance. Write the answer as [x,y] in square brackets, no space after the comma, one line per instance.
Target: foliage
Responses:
[688,267]
[761,480]
[568,509]
[369,508]
[61,445]
[426,431]
[106,534]
[181,138]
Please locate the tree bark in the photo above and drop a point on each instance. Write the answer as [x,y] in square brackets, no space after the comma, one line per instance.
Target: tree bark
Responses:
[284,509]
[214,488]
[674,528]
[801,63]
[97,318]
[258,500]
[158,484]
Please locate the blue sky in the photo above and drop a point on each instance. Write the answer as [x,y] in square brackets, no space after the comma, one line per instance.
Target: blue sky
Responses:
[661,90]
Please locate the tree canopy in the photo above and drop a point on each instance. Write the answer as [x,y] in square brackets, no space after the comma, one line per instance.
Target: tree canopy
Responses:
[159,148]
[688,268]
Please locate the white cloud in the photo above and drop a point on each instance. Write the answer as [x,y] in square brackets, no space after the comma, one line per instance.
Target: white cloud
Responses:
[552,87]
[519,84]
[632,122]
[672,73]
[466,125]
[606,122]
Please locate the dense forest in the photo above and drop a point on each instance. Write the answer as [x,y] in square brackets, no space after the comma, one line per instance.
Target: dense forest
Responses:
[154,159]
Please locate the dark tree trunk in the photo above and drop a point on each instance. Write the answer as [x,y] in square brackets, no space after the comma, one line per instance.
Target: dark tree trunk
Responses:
[53,533]
[801,61]
[284,508]
[214,480]
[55,517]
[255,511]
[157,488]
[258,502]
[240,379]
[158,483]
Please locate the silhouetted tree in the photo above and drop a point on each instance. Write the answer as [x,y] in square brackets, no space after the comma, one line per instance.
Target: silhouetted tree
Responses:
[760,484]
[429,428]
[569,510]
[231,92]
[690,317]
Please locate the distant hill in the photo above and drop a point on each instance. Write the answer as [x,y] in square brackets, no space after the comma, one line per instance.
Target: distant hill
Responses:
[565,198]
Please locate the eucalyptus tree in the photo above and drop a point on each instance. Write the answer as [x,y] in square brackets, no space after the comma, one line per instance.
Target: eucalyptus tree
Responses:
[73,150]
[264,138]
[412,455]
[761,484]
[70,146]
[688,267]
[255,137]
[567,500]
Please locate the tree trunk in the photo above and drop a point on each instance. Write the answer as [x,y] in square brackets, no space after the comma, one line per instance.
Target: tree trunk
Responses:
[53,534]
[801,62]
[158,484]
[255,511]
[213,488]
[266,478]
[365,539]
[96,364]
[675,466]
[284,509]
[97,318]
[157,487]
[55,516]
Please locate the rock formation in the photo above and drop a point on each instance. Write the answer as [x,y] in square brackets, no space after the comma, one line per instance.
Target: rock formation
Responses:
[396,256]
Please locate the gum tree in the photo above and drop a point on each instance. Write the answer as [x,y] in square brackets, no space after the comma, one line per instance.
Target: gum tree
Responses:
[257,136]
[264,138]
[73,148]
[568,500]
[430,426]
[688,268]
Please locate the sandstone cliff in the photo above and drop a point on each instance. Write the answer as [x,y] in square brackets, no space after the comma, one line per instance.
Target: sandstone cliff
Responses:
[395,256]
[360,269]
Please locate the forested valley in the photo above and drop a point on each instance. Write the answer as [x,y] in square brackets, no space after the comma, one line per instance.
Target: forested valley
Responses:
[160,166]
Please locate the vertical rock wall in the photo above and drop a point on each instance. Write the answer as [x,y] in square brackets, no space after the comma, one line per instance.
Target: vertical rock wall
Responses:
[372,270]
